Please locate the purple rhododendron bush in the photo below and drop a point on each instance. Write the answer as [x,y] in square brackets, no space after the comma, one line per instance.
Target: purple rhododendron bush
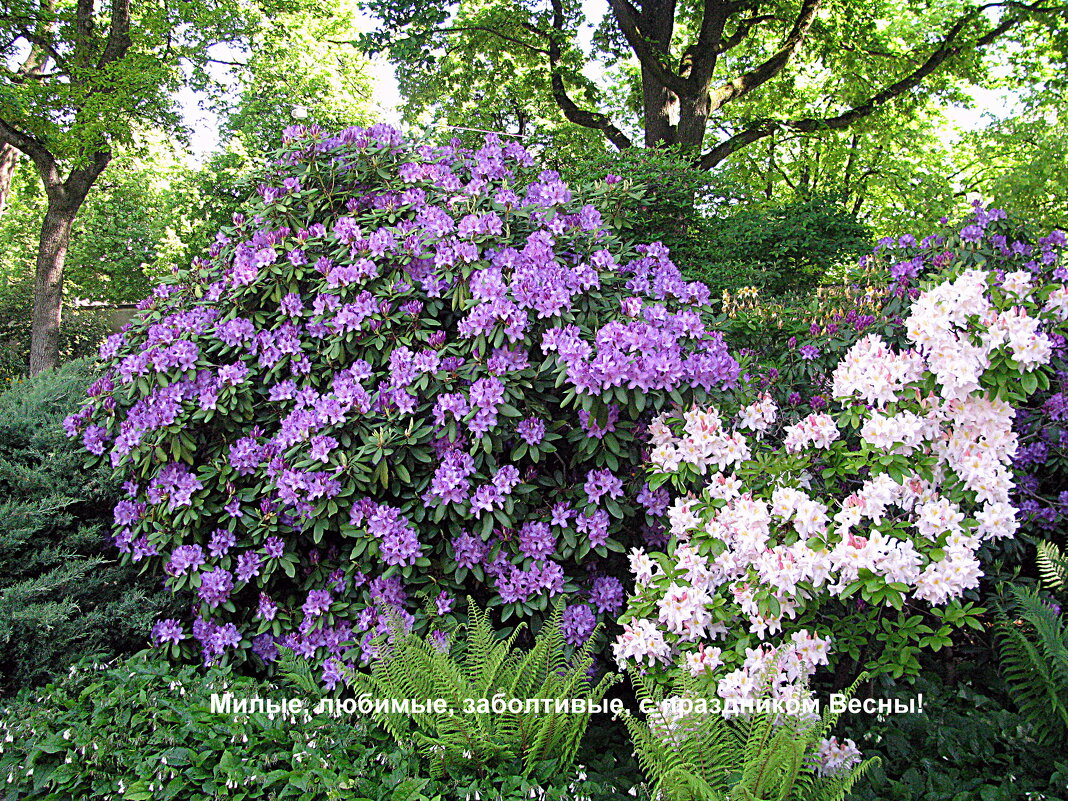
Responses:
[802,533]
[406,374]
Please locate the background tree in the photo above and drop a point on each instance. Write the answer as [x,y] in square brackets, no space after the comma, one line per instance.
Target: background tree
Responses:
[713,76]
[102,71]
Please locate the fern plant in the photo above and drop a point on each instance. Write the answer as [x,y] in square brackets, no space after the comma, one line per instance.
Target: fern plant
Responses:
[1033,643]
[764,756]
[470,732]
[1053,568]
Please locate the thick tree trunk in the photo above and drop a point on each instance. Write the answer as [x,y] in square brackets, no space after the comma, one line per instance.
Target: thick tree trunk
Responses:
[693,120]
[660,104]
[9,157]
[48,290]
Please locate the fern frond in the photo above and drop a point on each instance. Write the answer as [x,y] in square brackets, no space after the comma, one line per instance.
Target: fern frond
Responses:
[1034,662]
[1052,566]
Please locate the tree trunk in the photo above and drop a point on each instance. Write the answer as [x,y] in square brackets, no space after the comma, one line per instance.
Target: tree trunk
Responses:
[693,120]
[660,104]
[9,157]
[48,290]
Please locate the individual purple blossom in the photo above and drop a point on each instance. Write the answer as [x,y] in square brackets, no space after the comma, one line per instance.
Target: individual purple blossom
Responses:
[577,624]
[562,514]
[602,482]
[536,540]
[267,608]
[607,594]
[469,550]
[215,587]
[185,558]
[443,603]
[506,479]
[248,565]
[808,352]
[317,603]
[167,630]
[274,546]
[595,526]
[532,430]
[222,540]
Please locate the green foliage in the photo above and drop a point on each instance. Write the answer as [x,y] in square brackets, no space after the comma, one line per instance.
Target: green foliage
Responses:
[484,724]
[715,232]
[964,744]
[299,71]
[144,729]
[83,329]
[751,757]
[1034,660]
[782,247]
[62,595]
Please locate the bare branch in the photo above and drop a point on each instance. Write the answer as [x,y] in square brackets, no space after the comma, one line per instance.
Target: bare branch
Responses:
[762,73]
[118,41]
[579,116]
[35,149]
[744,27]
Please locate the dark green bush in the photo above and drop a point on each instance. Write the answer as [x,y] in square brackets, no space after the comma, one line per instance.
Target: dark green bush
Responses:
[62,593]
[967,745]
[718,234]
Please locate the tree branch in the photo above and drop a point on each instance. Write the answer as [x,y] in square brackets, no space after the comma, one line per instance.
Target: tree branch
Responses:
[587,119]
[626,16]
[946,49]
[118,41]
[762,73]
[32,147]
[744,26]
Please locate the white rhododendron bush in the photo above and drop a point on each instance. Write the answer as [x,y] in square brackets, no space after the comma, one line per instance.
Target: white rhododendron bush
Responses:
[856,529]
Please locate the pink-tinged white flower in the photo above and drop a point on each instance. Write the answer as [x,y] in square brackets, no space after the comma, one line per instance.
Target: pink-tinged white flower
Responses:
[835,757]
[723,486]
[642,642]
[666,458]
[818,429]
[704,660]
[682,611]
[811,649]
[870,370]
[683,517]
[785,500]
[997,520]
[1057,302]
[758,416]
[811,518]
[935,518]
[643,567]
[1018,284]
[900,433]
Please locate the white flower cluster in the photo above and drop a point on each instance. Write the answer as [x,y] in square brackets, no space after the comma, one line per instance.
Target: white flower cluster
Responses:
[835,757]
[704,442]
[942,325]
[754,556]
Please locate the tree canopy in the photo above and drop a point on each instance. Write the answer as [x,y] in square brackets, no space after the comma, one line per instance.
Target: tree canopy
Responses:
[712,76]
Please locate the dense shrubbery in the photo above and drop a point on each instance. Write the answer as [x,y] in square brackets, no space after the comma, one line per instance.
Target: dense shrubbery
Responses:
[62,593]
[405,370]
[722,238]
